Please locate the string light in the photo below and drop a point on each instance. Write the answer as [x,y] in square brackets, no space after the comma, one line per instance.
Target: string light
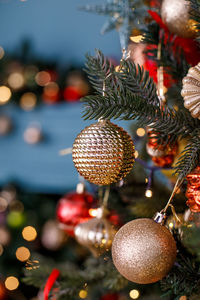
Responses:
[83,294]
[140,132]
[148,193]
[5,94]
[146,180]
[11,283]
[136,154]
[134,294]
[22,253]
[93,212]
[29,233]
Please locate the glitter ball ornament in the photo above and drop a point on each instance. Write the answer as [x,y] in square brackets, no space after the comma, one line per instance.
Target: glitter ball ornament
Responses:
[143,251]
[191,91]
[73,208]
[175,14]
[97,234]
[193,190]
[162,155]
[103,153]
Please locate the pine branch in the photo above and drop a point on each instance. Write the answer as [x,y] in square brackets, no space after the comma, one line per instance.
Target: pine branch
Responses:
[190,156]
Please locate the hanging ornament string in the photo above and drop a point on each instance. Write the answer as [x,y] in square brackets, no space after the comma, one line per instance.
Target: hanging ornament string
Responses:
[160,77]
[50,282]
[176,187]
[106,197]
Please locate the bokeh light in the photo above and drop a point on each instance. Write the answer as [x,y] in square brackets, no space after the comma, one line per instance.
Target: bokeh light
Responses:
[29,233]
[5,94]
[51,92]
[140,132]
[11,283]
[3,204]
[42,78]
[83,294]
[2,52]
[28,101]
[23,253]
[16,80]
[32,135]
[134,294]
[148,193]
[15,219]
[4,236]
[1,249]
[93,212]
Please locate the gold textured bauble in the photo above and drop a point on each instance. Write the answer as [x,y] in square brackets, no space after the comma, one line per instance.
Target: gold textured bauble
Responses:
[175,14]
[103,153]
[96,234]
[143,251]
[191,91]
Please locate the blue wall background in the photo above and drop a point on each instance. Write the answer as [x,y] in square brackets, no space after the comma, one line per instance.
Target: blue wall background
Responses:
[58,31]
[56,27]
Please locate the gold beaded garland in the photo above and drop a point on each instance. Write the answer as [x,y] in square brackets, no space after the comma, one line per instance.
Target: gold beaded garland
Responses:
[103,153]
[143,251]
[175,14]
[191,91]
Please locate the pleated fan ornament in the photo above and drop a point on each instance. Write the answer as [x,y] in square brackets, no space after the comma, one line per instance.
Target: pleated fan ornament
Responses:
[103,153]
[191,91]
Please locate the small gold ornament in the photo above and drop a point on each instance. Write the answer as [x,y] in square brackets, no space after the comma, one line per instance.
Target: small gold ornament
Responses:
[103,153]
[143,251]
[175,14]
[96,234]
[191,91]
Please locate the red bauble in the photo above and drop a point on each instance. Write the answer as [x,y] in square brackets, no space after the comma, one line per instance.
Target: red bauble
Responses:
[162,155]
[193,190]
[72,209]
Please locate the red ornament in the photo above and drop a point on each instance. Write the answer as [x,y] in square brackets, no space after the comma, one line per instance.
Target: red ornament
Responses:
[162,155]
[193,190]
[73,208]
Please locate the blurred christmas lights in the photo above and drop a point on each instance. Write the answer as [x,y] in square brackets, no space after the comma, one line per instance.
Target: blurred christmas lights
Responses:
[42,78]
[29,233]
[140,132]
[5,94]
[23,253]
[11,283]
[134,294]
[16,80]
[148,193]
[83,294]
[2,52]
[28,101]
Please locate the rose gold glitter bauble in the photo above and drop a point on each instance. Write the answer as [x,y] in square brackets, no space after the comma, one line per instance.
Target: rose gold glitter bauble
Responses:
[175,14]
[191,91]
[103,153]
[143,251]
[96,234]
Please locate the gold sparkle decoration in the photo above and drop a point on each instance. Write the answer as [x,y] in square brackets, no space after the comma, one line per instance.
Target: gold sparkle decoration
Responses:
[96,234]
[191,91]
[175,14]
[103,153]
[143,251]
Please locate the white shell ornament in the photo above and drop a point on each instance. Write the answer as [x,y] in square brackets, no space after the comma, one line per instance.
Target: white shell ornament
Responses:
[191,91]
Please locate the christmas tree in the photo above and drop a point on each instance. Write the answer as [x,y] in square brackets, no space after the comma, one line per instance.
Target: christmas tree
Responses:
[156,250]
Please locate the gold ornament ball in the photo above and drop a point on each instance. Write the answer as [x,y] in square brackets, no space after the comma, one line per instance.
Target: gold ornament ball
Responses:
[143,251]
[96,234]
[191,91]
[175,14]
[103,153]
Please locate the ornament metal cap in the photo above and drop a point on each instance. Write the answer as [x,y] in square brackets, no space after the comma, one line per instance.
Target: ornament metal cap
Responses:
[80,188]
[160,218]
